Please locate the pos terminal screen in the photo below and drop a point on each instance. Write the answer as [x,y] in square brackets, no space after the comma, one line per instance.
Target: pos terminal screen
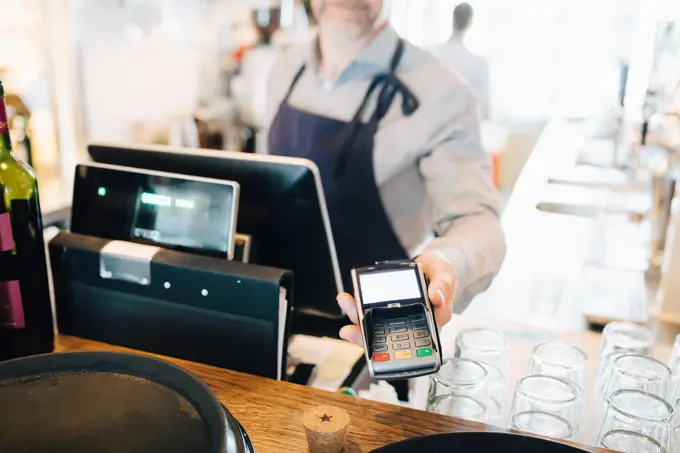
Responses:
[388,286]
[155,208]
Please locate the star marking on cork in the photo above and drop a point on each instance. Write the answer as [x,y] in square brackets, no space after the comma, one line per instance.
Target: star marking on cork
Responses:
[325,418]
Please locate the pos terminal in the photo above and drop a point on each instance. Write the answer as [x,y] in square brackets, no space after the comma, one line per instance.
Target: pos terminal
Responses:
[397,322]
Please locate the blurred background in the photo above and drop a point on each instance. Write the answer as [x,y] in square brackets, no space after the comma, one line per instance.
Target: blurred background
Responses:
[193,73]
[187,71]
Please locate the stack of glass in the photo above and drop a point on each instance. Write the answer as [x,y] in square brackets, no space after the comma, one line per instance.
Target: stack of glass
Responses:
[674,393]
[619,338]
[460,389]
[636,422]
[636,398]
[546,405]
[550,400]
[490,349]
[631,392]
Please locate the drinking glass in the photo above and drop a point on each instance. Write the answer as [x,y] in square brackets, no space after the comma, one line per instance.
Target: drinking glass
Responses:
[604,376]
[674,365]
[484,346]
[461,406]
[629,441]
[456,379]
[497,394]
[542,423]
[675,434]
[637,372]
[490,349]
[460,376]
[546,405]
[552,358]
[620,337]
[641,413]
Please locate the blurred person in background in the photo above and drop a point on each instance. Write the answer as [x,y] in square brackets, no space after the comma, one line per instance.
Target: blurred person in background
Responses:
[471,68]
[396,138]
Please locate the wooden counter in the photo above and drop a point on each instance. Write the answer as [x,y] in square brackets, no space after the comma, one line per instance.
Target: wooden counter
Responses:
[271,411]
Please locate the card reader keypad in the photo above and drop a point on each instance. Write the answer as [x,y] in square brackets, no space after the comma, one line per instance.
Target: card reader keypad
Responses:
[401,339]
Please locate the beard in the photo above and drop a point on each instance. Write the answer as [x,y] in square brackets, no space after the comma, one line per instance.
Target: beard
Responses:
[352,18]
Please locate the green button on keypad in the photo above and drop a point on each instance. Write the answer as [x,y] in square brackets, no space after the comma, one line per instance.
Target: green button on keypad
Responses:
[424,352]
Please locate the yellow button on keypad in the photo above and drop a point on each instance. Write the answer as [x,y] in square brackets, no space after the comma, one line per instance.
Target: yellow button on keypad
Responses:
[402,355]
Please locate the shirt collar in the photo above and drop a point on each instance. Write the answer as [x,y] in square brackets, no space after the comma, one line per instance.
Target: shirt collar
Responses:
[373,59]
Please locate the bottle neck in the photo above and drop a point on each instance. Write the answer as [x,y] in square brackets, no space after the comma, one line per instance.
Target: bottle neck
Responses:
[5,142]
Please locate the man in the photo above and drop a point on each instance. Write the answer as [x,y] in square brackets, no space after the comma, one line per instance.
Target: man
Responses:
[396,139]
[472,69]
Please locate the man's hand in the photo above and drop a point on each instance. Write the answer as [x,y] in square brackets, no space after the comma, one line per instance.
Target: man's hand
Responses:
[442,290]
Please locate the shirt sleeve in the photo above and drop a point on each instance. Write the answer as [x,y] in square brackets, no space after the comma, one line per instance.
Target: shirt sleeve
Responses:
[465,206]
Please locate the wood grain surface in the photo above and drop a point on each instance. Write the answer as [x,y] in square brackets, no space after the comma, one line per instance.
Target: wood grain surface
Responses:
[271,411]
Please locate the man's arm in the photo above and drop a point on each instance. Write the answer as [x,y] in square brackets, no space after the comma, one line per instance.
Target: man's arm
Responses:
[458,177]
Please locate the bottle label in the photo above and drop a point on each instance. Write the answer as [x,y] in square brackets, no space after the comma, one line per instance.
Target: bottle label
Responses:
[11,303]
[6,238]
[4,124]
[11,306]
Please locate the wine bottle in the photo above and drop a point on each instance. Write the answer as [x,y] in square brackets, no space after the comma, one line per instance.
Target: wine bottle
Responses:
[26,323]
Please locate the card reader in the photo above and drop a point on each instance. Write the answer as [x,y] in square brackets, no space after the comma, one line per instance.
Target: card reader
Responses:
[397,321]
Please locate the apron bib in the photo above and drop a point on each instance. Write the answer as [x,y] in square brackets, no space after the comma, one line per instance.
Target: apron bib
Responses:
[343,151]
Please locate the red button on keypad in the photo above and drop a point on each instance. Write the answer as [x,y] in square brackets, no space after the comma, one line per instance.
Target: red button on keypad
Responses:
[381,357]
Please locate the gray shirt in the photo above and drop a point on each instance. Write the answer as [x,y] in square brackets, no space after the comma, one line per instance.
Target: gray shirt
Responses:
[433,175]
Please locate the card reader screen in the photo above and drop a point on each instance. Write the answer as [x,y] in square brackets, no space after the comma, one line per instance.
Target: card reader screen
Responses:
[389,286]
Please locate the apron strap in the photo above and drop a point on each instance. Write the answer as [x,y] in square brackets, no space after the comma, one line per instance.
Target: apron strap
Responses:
[396,57]
[297,78]
[390,86]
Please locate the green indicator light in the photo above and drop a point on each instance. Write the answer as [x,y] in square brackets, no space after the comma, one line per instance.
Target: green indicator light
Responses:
[101,191]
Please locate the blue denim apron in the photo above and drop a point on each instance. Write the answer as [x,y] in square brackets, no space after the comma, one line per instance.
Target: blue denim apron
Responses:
[343,151]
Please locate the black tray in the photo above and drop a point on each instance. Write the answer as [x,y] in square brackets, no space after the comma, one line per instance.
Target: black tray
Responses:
[111,402]
[477,443]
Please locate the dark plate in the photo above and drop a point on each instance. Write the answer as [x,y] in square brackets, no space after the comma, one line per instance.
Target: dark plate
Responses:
[477,442]
[237,437]
[111,403]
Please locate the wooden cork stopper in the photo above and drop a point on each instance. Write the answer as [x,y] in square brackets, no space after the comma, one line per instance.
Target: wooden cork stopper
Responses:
[326,429]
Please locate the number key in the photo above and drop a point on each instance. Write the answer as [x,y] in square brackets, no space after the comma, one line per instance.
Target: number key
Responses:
[399,337]
[404,345]
[398,329]
[421,334]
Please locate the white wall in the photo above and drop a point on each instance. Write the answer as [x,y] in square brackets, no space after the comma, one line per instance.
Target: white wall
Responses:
[150,60]
[26,73]
[547,57]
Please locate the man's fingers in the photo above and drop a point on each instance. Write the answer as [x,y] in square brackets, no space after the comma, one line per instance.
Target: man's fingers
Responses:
[442,277]
[352,334]
[443,315]
[441,291]
[349,307]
